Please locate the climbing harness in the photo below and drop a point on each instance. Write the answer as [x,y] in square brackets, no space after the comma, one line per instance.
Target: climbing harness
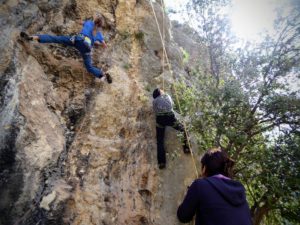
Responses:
[86,40]
[175,90]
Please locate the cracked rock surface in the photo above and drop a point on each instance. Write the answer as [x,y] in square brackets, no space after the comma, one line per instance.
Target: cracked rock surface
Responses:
[79,151]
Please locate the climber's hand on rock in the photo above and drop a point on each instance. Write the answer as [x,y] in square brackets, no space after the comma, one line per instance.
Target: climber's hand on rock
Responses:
[80,21]
[104,44]
[97,43]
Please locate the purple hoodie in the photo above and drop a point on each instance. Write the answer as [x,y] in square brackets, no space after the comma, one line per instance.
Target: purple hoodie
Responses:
[215,201]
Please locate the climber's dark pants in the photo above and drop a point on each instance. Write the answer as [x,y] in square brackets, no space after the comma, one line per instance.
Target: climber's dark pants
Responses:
[78,43]
[161,122]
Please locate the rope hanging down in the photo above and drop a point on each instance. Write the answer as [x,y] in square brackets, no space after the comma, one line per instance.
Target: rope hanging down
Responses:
[161,38]
[163,57]
[176,94]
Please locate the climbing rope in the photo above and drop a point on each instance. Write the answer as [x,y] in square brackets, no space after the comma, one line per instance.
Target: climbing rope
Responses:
[163,56]
[161,37]
[175,90]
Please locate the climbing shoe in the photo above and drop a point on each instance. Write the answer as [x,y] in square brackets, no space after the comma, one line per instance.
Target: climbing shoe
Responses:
[108,78]
[161,166]
[186,150]
[25,36]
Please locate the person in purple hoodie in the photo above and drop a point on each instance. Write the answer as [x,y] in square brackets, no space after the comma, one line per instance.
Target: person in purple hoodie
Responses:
[216,199]
[88,37]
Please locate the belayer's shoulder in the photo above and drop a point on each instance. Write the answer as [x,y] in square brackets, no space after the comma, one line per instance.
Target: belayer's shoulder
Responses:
[203,182]
[199,182]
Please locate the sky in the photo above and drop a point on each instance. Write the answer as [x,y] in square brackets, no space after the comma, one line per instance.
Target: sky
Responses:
[248,17]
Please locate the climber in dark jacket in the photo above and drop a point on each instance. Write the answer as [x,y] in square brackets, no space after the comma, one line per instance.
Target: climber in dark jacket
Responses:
[163,108]
[83,42]
[216,199]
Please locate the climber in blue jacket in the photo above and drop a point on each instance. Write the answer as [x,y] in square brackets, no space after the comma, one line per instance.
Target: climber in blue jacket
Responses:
[88,37]
[216,199]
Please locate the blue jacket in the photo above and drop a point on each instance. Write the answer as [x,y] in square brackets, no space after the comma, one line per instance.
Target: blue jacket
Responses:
[215,201]
[87,30]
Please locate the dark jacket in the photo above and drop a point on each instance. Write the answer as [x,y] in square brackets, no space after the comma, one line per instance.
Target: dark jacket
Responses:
[215,201]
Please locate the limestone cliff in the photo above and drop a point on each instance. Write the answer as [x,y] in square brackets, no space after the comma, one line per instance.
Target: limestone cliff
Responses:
[75,150]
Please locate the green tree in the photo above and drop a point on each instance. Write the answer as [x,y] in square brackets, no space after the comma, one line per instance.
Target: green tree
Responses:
[273,180]
[242,102]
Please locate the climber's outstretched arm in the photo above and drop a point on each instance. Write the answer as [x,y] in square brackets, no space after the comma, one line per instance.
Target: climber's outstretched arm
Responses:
[81,22]
[188,207]
[98,43]
[99,40]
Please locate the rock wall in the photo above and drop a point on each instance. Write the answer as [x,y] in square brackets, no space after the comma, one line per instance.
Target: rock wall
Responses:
[79,151]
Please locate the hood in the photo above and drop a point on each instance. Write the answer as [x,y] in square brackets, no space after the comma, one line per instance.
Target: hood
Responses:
[232,191]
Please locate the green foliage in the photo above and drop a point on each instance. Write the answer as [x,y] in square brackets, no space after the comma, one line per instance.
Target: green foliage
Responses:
[127,66]
[186,96]
[124,35]
[139,36]
[186,56]
[241,102]
[143,98]
[273,179]
[148,88]
[174,155]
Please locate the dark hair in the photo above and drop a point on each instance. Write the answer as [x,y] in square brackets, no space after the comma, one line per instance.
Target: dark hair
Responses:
[216,161]
[156,93]
[98,21]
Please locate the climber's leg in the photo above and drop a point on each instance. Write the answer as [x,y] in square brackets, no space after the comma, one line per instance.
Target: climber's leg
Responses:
[45,38]
[179,126]
[87,59]
[161,154]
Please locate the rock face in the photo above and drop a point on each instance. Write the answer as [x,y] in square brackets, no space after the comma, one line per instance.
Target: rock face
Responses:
[79,151]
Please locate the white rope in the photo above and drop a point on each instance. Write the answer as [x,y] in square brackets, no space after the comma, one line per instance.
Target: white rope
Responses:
[176,95]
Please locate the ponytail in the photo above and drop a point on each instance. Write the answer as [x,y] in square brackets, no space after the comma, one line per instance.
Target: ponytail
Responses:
[98,21]
[228,168]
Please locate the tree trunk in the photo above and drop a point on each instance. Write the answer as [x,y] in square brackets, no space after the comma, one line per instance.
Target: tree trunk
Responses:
[259,213]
